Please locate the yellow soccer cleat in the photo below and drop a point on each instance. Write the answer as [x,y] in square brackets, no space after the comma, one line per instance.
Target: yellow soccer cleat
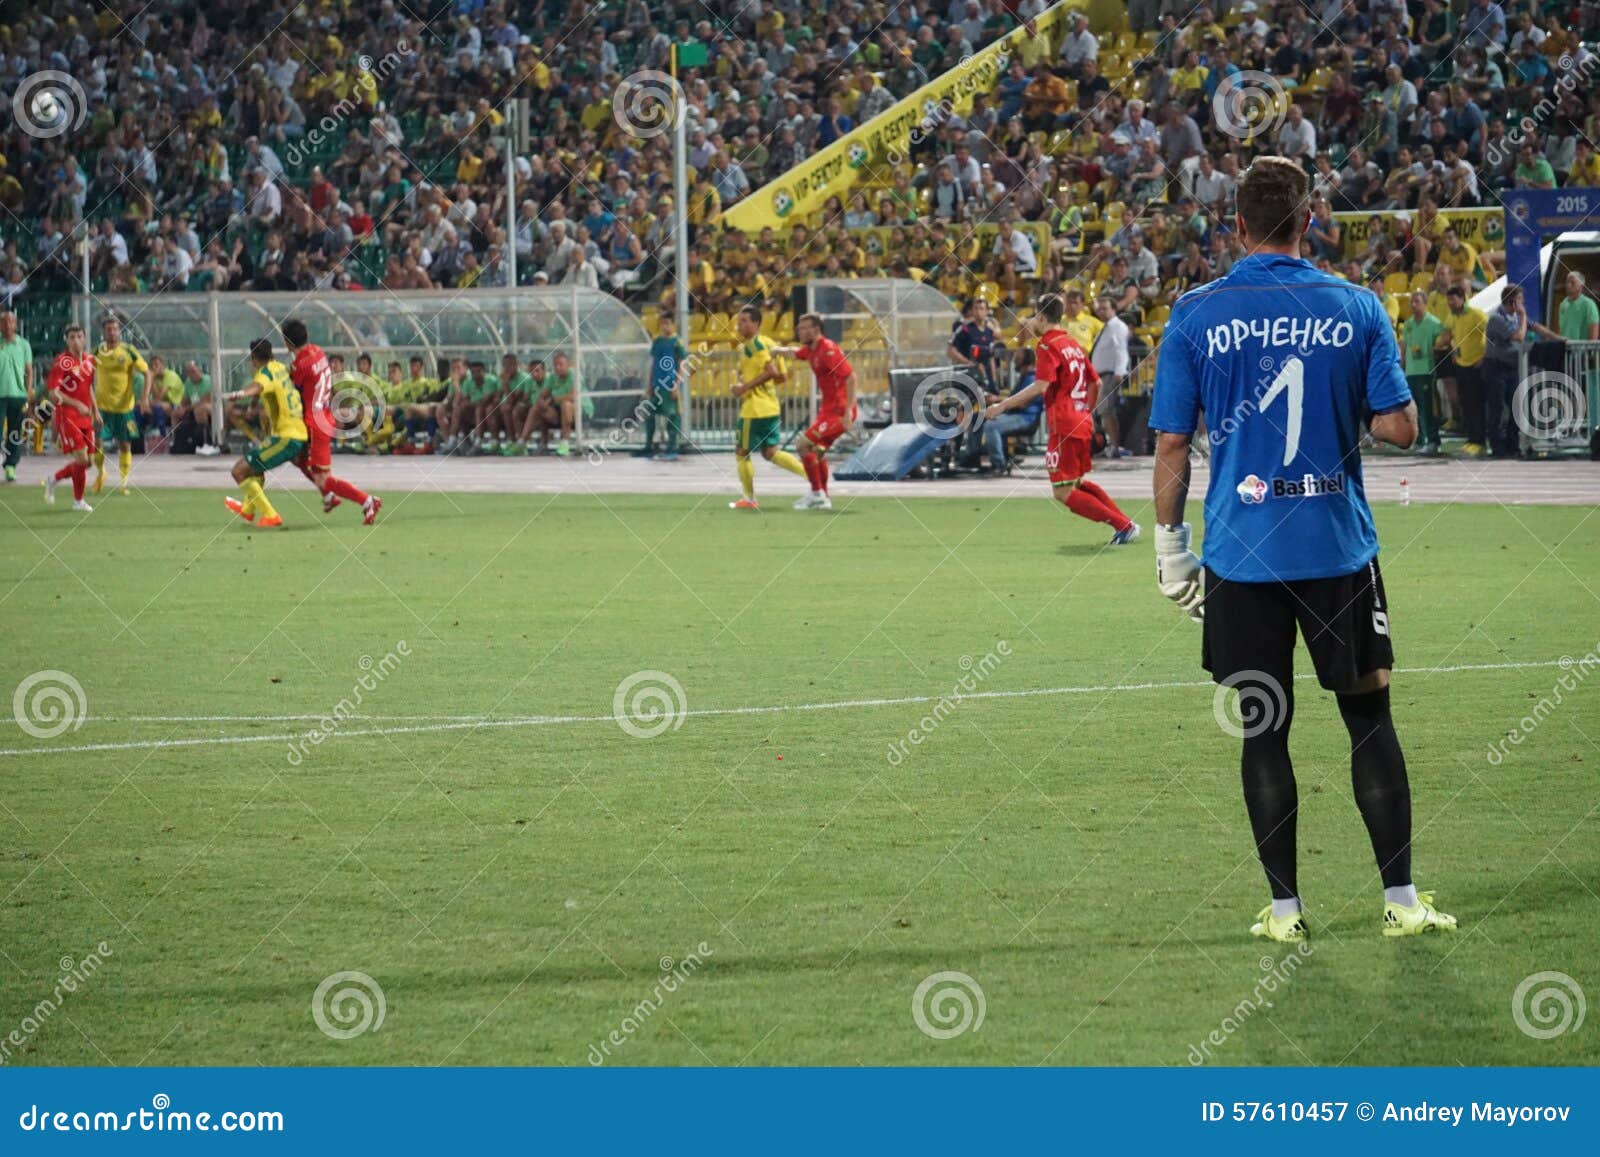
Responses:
[1290,929]
[1398,920]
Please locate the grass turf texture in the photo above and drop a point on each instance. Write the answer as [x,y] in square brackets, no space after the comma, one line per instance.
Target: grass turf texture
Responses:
[1084,857]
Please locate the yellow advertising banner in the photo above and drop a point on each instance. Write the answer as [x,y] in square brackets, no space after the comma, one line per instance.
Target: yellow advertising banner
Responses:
[887,138]
[1483,229]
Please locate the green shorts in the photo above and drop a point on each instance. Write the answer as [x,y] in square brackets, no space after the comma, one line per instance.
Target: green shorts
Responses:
[118,426]
[759,433]
[273,452]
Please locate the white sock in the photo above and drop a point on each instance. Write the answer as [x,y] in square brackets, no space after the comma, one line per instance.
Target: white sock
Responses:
[1406,897]
[1282,908]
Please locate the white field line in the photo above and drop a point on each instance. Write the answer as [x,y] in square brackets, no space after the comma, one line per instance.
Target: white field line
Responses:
[454,723]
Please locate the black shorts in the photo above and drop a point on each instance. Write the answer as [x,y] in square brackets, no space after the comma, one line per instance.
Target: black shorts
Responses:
[1344,620]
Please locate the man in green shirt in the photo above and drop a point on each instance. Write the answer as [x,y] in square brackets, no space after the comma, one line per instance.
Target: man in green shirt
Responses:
[16,388]
[1533,171]
[558,405]
[197,403]
[510,405]
[1420,337]
[533,415]
[163,391]
[481,390]
[1579,317]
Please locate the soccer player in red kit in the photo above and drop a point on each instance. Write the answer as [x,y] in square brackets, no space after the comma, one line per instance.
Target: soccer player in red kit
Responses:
[836,381]
[71,391]
[312,377]
[1070,387]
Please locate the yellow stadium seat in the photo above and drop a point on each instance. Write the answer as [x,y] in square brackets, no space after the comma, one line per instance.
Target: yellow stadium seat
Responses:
[1157,315]
[1396,283]
[989,291]
[1111,65]
[1422,281]
[1114,214]
[1149,40]
[1126,43]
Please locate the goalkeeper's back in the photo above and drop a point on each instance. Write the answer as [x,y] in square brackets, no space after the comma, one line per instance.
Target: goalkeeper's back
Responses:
[1286,363]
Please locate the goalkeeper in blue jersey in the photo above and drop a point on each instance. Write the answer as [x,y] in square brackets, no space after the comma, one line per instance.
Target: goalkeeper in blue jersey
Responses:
[1289,366]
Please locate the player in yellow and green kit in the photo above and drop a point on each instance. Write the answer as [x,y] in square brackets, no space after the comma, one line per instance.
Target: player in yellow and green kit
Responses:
[115,363]
[286,435]
[759,372]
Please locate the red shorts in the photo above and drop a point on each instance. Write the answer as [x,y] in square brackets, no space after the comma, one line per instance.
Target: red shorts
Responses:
[1069,457]
[827,429]
[74,434]
[318,454]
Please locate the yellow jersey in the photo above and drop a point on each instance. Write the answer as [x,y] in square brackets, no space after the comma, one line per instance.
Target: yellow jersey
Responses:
[1467,336]
[280,402]
[113,377]
[1083,329]
[1463,260]
[754,357]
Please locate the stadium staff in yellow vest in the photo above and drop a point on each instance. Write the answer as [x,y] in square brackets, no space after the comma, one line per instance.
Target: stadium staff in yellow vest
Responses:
[760,370]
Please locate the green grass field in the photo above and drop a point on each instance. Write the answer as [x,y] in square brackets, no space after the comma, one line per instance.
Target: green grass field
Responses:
[513,888]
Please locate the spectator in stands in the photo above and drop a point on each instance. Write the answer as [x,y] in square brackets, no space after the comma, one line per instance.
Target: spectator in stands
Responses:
[1079,46]
[1297,138]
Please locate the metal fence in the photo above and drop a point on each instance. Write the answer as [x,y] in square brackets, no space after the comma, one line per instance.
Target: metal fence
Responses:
[1556,410]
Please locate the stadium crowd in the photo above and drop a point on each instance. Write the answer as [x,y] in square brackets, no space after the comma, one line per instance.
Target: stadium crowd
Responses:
[349,149]
[365,147]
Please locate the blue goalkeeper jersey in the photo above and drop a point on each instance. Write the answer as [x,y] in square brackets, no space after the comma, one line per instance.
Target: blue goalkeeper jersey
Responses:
[1286,363]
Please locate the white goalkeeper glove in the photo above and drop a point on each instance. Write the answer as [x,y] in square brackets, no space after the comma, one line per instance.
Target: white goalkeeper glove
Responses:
[1178,571]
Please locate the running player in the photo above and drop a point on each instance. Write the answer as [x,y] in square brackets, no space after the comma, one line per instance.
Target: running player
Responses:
[115,363]
[759,370]
[313,377]
[71,391]
[1070,387]
[836,411]
[1292,364]
[286,437]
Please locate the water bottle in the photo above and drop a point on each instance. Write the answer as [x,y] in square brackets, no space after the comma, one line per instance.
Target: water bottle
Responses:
[1405,491]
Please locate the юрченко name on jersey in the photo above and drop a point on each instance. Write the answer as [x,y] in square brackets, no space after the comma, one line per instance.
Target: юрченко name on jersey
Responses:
[1302,333]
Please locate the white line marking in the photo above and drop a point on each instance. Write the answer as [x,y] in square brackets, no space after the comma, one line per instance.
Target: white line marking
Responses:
[467,723]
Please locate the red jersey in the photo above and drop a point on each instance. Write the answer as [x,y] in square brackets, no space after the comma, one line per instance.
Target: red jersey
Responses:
[832,370]
[1071,384]
[73,377]
[310,373]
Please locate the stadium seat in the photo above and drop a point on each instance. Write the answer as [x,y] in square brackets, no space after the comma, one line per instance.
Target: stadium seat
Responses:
[1157,315]
[1397,283]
